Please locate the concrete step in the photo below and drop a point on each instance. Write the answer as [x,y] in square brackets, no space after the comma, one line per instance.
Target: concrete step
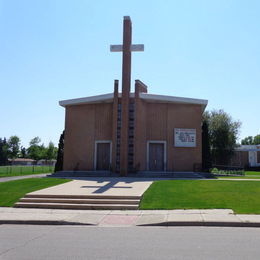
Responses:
[76,206]
[66,196]
[81,201]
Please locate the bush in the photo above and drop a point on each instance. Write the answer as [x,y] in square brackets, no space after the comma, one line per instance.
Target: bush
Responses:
[227,172]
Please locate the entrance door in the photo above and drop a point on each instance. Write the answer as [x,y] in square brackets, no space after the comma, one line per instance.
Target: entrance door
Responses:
[156,157]
[252,158]
[103,156]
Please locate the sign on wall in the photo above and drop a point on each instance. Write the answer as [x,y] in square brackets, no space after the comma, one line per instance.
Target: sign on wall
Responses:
[184,137]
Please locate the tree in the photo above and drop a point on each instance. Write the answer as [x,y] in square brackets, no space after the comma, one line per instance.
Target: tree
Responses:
[251,140]
[59,163]
[3,151]
[51,151]
[257,139]
[13,146]
[223,135]
[35,141]
[248,140]
[23,152]
[35,150]
[206,153]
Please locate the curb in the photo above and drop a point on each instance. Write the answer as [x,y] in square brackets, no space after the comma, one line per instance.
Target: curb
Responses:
[44,222]
[204,224]
[162,224]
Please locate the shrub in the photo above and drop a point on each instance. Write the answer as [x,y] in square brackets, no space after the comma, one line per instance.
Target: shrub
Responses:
[227,172]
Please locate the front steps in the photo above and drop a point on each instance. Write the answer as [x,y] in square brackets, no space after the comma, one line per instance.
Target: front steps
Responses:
[88,202]
[143,174]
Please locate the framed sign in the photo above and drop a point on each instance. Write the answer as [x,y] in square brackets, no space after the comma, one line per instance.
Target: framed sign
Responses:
[184,137]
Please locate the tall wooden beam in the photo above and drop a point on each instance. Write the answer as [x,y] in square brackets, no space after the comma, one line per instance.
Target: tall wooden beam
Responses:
[126,86]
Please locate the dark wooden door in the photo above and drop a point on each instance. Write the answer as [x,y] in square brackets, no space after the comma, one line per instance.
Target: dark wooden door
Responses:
[156,157]
[103,156]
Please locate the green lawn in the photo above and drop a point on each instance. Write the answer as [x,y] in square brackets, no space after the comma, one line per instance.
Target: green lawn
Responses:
[252,173]
[248,175]
[241,196]
[239,177]
[6,171]
[12,191]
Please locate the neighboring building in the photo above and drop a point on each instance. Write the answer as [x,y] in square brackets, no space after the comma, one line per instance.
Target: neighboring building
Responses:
[46,162]
[246,156]
[21,161]
[130,132]
[27,161]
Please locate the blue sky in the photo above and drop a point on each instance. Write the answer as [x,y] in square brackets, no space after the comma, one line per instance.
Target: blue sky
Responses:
[52,50]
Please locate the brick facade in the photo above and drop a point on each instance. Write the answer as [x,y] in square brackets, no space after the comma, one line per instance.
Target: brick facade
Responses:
[87,124]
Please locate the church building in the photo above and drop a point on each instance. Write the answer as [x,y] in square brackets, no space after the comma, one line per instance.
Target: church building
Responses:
[128,132]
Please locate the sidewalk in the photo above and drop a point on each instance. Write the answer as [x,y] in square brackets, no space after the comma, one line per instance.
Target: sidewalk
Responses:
[12,178]
[116,218]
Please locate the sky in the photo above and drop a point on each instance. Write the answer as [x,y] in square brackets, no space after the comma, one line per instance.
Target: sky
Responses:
[53,50]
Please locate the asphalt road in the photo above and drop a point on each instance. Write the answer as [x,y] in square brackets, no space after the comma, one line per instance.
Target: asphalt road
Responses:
[82,242]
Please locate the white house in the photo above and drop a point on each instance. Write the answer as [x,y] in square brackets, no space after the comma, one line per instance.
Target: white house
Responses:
[253,154]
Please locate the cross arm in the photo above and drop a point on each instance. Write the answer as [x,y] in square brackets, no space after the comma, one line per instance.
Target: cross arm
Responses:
[134,47]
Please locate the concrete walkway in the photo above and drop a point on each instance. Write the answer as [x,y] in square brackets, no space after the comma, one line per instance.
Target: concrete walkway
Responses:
[99,186]
[12,178]
[91,193]
[116,218]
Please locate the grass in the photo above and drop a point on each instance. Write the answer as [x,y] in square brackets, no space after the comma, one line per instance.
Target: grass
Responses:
[252,173]
[239,177]
[7,171]
[12,191]
[248,175]
[241,196]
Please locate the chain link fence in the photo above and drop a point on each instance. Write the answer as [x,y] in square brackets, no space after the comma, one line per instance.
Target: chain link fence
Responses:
[12,170]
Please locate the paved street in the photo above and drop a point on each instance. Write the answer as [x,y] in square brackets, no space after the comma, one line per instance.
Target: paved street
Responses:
[78,242]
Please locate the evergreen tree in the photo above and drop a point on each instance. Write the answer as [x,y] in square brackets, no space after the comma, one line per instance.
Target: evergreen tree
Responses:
[206,153]
[59,163]
[3,151]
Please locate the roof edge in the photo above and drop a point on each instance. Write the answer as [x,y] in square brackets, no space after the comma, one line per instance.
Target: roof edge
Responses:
[92,99]
[108,98]
[173,99]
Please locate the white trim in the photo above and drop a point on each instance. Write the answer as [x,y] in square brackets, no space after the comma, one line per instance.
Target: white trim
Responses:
[164,153]
[95,152]
[173,99]
[247,148]
[93,99]
[108,98]
[105,98]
